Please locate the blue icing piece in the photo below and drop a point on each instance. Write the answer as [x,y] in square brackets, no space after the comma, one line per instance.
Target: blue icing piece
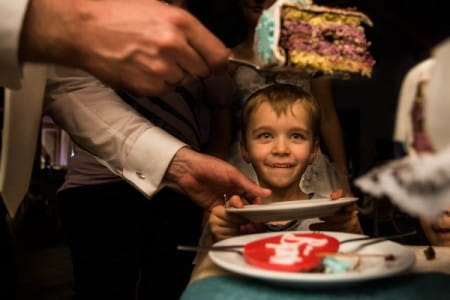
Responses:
[265,31]
[333,265]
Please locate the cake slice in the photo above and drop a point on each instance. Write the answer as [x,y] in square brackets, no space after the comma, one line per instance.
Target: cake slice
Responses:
[317,39]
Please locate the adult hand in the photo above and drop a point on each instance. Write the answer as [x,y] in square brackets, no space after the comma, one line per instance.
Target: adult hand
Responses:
[345,220]
[143,46]
[205,179]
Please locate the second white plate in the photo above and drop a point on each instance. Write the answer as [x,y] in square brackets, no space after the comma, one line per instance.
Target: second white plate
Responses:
[369,268]
[289,210]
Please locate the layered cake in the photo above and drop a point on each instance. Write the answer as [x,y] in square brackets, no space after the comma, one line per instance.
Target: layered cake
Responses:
[319,40]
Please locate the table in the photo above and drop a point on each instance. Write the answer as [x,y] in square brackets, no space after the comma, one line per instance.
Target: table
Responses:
[429,279]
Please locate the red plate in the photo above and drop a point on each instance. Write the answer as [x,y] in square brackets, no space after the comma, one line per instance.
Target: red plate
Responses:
[290,252]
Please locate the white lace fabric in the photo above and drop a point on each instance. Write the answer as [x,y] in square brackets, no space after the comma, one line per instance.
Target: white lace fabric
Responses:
[418,184]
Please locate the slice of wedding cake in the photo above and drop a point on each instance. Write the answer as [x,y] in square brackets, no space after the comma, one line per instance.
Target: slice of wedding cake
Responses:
[318,39]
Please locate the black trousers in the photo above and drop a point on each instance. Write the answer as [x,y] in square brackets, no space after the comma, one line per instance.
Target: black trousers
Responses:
[123,245]
[8,271]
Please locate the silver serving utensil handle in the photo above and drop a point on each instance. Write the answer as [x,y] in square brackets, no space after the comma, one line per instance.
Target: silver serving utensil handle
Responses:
[270,72]
[244,62]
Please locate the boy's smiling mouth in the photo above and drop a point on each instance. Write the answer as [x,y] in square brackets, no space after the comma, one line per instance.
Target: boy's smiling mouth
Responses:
[280,165]
[440,230]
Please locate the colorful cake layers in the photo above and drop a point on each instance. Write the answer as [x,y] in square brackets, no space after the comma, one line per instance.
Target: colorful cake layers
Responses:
[318,39]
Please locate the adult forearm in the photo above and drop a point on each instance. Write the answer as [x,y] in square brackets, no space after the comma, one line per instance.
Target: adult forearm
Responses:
[98,120]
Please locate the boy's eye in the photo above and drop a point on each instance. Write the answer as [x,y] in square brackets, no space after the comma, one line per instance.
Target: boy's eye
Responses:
[297,136]
[264,136]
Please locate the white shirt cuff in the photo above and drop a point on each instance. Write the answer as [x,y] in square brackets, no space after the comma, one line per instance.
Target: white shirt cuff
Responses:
[12,13]
[149,159]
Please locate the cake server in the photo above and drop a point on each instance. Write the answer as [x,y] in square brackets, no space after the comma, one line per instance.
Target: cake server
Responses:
[235,248]
[270,72]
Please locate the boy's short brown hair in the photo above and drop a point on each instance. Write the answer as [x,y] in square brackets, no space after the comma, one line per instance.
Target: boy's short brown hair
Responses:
[281,97]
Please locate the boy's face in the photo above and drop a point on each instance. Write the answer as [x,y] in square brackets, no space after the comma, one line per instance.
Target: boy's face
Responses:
[279,147]
[438,232]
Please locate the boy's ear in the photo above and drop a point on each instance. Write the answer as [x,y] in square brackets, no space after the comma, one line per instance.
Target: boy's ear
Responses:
[244,152]
[314,152]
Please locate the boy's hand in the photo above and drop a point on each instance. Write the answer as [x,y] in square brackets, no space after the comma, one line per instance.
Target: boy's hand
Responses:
[345,220]
[225,225]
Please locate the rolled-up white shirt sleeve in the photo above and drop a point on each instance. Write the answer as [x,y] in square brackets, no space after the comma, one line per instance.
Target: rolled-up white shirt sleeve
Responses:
[99,121]
[12,13]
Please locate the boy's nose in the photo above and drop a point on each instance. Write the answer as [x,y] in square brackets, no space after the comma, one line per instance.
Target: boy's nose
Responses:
[281,146]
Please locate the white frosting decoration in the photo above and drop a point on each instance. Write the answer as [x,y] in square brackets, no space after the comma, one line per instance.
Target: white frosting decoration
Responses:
[287,252]
[419,184]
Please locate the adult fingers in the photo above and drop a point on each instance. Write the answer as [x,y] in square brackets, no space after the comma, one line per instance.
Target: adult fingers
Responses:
[236,201]
[164,69]
[249,190]
[190,60]
[209,47]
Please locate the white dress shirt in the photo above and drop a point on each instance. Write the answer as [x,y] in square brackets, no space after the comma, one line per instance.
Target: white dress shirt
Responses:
[97,119]
[12,13]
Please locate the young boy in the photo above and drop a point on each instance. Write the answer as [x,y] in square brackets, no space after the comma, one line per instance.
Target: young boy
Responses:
[280,138]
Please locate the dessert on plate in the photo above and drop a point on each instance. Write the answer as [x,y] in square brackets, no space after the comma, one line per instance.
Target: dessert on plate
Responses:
[294,252]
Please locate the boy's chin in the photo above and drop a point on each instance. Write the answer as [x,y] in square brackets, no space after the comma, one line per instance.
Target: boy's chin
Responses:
[276,184]
[440,238]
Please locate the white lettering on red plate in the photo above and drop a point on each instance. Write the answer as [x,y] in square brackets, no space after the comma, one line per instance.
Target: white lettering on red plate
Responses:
[287,252]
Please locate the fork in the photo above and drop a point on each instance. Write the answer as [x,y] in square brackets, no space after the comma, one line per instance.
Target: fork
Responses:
[228,248]
[232,248]
[376,240]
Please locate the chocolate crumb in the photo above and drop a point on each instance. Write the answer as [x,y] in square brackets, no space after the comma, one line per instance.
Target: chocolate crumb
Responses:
[318,269]
[389,257]
[429,253]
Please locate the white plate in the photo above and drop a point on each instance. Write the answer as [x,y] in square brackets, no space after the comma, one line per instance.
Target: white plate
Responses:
[369,268]
[289,210]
